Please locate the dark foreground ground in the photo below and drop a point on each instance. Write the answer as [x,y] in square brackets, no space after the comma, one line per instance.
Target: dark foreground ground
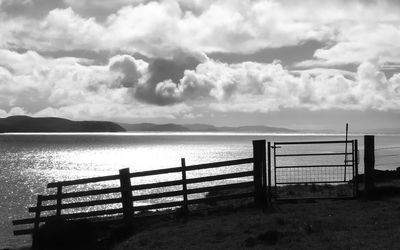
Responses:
[328,224]
[337,224]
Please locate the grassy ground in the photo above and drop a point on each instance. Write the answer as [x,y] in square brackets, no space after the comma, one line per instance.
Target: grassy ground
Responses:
[311,224]
[338,224]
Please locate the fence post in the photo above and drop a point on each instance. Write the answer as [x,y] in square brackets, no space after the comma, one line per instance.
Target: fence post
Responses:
[369,164]
[269,192]
[59,200]
[259,171]
[36,223]
[355,160]
[184,188]
[126,194]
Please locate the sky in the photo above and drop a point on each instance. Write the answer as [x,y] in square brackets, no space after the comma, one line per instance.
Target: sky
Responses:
[307,64]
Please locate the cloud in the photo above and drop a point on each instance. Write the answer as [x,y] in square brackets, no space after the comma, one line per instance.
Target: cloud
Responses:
[182,85]
[100,9]
[155,58]
[250,87]
[64,86]
[360,42]
[161,87]
[114,111]
[64,29]
[5,3]
[131,70]
[35,9]
[17,111]
[158,29]
[102,4]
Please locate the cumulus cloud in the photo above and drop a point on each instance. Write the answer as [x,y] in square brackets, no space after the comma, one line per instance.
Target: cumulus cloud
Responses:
[131,70]
[249,87]
[162,86]
[63,86]
[126,86]
[157,29]
[158,62]
[375,42]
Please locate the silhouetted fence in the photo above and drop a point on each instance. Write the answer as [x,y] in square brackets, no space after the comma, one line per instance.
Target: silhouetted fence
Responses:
[120,200]
[125,200]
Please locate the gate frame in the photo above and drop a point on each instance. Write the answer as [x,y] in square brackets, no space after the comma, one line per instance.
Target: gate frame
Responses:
[354,165]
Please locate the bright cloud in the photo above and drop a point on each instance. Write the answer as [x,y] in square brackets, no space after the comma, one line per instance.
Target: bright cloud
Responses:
[39,85]
[266,87]
[158,28]
[33,84]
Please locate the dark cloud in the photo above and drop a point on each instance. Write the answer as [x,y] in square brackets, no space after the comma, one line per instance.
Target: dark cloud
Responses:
[129,70]
[157,80]
[351,67]
[287,55]
[97,57]
[101,9]
[100,57]
[165,69]
[390,69]
[33,9]
[162,70]
[193,7]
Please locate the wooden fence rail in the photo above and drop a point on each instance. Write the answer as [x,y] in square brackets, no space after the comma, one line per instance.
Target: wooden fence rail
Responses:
[125,200]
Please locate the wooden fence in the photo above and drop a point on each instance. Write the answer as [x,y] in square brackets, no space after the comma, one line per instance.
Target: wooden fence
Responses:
[126,200]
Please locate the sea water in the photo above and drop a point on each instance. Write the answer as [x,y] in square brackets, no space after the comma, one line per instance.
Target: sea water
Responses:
[29,161]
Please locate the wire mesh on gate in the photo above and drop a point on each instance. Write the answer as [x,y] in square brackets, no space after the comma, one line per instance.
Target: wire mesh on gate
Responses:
[315,169]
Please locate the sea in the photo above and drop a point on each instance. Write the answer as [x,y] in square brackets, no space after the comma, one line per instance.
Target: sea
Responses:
[28,161]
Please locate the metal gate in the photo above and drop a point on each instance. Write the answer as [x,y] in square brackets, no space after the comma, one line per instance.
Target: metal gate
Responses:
[315,169]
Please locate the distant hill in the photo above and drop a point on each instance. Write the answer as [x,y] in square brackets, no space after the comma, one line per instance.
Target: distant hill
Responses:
[15,124]
[257,129]
[381,131]
[154,127]
[171,127]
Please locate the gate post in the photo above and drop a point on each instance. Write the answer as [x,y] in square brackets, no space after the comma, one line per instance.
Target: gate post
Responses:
[355,159]
[259,172]
[269,183]
[369,164]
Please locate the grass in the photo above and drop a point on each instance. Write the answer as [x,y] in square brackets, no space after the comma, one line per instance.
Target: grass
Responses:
[328,224]
[314,190]
[344,224]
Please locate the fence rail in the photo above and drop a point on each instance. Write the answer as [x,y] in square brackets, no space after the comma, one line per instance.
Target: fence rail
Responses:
[83,181]
[126,199]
